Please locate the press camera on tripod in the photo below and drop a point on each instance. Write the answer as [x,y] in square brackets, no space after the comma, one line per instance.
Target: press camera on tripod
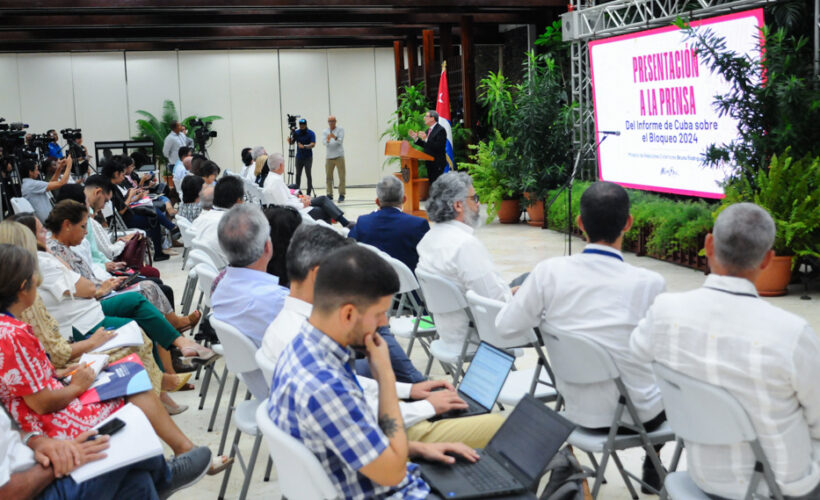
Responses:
[202,134]
[291,147]
[14,150]
[76,151]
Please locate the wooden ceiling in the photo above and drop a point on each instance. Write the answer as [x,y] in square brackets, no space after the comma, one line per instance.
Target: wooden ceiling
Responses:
[51,25]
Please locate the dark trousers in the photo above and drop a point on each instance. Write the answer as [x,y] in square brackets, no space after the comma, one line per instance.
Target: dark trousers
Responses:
[325,209]
[433,172]
[139,481]
[306,164]
[402,366]
[151,226]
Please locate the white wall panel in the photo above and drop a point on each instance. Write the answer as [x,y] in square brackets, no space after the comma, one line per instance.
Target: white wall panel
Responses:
[99,97]
[9,89]
[385,76]
[257,117]
[304,88]
[205,89]
[152,77]
[46,91]
[353,102]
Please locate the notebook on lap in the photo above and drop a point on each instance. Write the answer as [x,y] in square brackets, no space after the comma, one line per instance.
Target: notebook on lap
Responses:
[483,381]
[513,461]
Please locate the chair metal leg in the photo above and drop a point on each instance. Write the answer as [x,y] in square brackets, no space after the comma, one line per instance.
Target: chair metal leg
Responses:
[234,449]
[429,366]
[251,464]
[624,475]
[676,457]
[228,417]
[268,468]
[206,382]
[594,463]
[185,252]
[410,346]
[222,380]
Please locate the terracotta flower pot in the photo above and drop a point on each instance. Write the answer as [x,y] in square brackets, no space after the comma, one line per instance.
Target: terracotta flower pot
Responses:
[774,279]
[509,212]
[535,211]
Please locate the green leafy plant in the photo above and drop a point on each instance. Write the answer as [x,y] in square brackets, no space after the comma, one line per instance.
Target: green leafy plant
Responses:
[557,212]
[495,94]
[790,191]
[773,97]
[156,129]
[489,169]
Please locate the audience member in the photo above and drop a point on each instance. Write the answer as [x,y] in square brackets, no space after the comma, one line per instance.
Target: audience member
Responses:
[261,165]
[305,141]
[197,160]
[180,172]
[333,138]
[451,250]
[247,297]
[275,192]
[29,387]
[389,229]
[309,246]
[283,222]
[724,334]
[247,161]
[209,172]
[317,399]
[206,197]
[228,192]
[175,140]
[191,206]
[34,190]
[597,296]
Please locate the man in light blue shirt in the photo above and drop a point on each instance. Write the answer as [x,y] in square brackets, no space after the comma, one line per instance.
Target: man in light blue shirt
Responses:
[246,296]
[175,140]
[179,168]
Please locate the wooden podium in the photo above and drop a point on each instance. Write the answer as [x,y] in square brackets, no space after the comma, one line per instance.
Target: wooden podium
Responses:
[409,175]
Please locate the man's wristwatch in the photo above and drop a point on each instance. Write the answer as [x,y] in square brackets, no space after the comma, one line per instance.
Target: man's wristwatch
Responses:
[30,435]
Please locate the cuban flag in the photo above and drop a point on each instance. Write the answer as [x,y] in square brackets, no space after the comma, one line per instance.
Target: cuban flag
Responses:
[443,110]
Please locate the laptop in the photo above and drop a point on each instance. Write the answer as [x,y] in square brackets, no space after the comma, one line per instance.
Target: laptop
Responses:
[483,381]
[513,461]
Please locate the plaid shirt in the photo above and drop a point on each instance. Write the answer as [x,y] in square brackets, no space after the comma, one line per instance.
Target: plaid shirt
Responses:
[317,399]
[190,210]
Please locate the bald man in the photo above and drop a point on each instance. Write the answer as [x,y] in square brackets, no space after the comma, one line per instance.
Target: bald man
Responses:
[332,138]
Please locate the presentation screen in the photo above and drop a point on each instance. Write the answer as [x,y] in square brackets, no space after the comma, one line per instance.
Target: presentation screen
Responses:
[652,89]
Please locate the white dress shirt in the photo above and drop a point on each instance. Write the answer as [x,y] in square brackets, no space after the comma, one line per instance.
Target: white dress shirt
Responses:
[179,174]
[174,141]
[275,192]
[58,289]
[601,298]
[204,229]
[451,250]
[767,358]
[14,455]
[287,325]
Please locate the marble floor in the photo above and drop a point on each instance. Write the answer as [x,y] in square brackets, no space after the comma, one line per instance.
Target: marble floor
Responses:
[515,250]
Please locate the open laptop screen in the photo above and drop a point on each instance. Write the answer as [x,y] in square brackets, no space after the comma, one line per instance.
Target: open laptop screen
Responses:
[531,436]
[486,374]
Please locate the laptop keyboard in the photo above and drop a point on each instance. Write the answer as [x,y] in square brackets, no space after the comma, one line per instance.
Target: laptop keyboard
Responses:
[488,475]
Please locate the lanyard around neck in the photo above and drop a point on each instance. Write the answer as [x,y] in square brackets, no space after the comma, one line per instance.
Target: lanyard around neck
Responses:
[597,251]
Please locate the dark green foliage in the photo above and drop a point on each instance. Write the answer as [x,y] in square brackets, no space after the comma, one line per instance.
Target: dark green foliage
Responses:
[489,168]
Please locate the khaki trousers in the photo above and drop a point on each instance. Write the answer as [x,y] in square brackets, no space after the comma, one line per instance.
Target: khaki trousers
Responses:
[339,163]
[474,431]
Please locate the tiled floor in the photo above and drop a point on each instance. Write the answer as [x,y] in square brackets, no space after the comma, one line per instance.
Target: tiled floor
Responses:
[515,249]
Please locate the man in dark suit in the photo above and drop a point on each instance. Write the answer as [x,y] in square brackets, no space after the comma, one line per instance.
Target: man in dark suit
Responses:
[389,229]
[434,142]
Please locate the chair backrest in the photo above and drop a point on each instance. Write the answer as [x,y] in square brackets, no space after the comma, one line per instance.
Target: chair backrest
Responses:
[266,365]
[701,412]
[184,226]
[218,259]
[206,274]
[240,357]
[407,280]
[440,294]
[484,312]
[198,257]
[301,475]
[21,205]
[578,360]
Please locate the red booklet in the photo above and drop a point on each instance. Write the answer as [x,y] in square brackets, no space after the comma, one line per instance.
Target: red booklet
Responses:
[119,379]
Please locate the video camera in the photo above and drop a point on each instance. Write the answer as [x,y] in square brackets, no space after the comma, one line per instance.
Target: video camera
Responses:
[203,130]
[71,134]
[15,126]
[12,136]
[292,122]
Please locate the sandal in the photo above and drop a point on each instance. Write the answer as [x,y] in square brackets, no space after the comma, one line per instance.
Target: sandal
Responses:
[218,464]
[181,383]
[197,352]
[174,410]
[193,318]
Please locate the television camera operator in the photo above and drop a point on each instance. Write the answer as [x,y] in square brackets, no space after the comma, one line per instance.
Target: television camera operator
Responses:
[305,140]
[75,149]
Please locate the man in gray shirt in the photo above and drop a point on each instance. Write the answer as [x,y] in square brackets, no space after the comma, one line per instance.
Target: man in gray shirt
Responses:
[35,191]
[175,140]
[333,137]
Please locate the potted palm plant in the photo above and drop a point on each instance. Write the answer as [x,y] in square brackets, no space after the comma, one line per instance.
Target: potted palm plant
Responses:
[490,171]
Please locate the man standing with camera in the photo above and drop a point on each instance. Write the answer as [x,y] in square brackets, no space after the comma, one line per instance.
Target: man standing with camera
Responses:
[305,141]
[333,137]
[175,140]
[54,149]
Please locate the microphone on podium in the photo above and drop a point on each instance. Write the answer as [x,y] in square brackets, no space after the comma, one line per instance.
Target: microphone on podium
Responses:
[610,132]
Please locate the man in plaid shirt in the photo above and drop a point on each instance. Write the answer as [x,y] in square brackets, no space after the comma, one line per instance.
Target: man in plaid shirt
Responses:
[317,398]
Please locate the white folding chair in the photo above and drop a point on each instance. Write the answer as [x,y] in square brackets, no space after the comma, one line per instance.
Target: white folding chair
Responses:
[184,226]
[537,381]
[409,296]
[578,360]
[703,413]
[253,193]
[266,365]
[217,258]
[21,205]
[301,475]
[443,296]
[194,258]
[239,360]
